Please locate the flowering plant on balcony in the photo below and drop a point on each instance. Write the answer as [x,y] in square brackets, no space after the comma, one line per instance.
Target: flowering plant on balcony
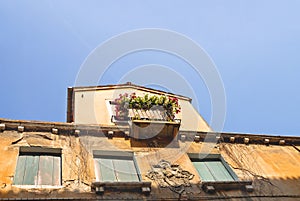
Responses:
[168,105]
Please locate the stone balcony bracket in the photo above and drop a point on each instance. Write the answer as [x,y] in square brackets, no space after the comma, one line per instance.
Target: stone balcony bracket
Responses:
[182,137]
[232,139]
[214,186]
[142,187]
[249,188]
[218,139]
[127,135]
[20,129]
[197,138]
[110,134]
[77,132]
[2,127]
[281,142]
[246,140]
[266,141]
[54,130]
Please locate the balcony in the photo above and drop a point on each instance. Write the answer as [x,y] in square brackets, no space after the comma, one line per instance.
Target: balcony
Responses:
[149,117]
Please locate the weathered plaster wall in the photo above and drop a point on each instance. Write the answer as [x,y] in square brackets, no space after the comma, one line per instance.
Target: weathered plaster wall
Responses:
[77,173]
[274,169]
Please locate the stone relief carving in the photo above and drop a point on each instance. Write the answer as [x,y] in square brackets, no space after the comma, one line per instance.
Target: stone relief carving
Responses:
[170,175]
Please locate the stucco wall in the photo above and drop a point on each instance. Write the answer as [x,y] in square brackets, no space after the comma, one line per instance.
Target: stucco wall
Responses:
[274,169]
[77,172]
[91,107]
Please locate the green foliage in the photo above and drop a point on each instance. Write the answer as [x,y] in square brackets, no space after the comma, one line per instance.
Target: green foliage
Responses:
[168,104]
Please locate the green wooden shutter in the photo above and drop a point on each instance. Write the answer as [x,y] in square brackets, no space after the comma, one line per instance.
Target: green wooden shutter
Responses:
[219,171]
[125,170]
[31,169]
[203,171]
[20,170]
[212,171]
[115,167]
[38,170]
[56,176]
[106,169]
[45,170]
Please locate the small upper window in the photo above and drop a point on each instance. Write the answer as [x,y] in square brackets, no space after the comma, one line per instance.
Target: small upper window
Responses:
[38,166]
[213,168]
[115,166]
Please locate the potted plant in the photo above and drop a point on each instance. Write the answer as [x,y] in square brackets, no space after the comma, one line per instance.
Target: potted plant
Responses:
[168,106]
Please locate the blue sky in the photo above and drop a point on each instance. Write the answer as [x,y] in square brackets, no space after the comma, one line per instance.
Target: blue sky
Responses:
[255,46]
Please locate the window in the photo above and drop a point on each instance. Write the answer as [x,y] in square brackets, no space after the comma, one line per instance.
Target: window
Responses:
[213,168]
[115,166]
[110,108]
[117,170]
[216,175]
[38,166]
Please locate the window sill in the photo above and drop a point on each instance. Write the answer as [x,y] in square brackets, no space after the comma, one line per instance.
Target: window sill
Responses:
[212,186]
[38,186]
[143,187]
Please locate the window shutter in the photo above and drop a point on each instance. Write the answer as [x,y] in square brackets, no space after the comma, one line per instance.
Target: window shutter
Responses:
[56,179]
[31,169]
[218,171]
[38,169]
[213,171]
[20,170]
[125,170]
[106,169]
[203,171]
[115,166]
[45,170]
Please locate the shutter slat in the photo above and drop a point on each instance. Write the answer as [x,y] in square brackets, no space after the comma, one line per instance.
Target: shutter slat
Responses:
[31,169]
[20,170]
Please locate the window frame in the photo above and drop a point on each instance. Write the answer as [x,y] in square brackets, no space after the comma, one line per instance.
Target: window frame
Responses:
[196,157]
[212,186]
[101,186]
[39,151]
[109,107]
[125,155]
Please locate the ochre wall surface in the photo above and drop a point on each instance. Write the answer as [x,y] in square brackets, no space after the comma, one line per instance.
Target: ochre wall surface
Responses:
[77,172]
[273,169]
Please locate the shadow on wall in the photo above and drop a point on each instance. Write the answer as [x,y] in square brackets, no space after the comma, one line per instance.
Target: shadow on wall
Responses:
[264,189]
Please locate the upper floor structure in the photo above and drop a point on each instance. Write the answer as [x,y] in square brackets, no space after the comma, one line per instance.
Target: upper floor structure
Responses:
[130,142]
[93,105]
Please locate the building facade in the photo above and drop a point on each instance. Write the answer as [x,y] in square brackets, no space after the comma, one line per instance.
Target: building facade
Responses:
[124,142]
